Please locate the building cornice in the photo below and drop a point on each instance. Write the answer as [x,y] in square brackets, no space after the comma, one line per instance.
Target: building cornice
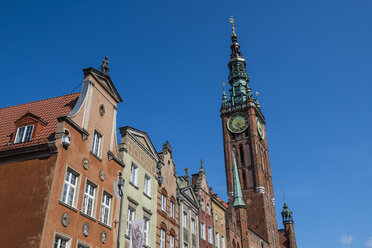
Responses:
[28,152]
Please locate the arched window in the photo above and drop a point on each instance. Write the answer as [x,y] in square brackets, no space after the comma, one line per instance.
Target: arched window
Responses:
[208,212]
[244,179]
[234,246]
[248,151]
[242,163]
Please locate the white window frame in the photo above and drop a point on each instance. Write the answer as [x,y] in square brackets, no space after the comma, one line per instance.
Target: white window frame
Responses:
[203,230]
[185,219]
[147,186]
[146,231]
[82,245]
[134,174]
[89,198]
[171,241]
[26,135]
[171,209]
[97,143]
[217,241]
[162,238]
[130,217]
[58,243]
[69,186]
[210,238]
[192,226]
[106,204]
[163,203]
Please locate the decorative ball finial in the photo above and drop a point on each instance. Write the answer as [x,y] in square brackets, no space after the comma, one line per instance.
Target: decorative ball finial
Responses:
[187,170]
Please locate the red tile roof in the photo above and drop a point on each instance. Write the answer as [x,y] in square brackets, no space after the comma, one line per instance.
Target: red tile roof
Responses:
[48,110]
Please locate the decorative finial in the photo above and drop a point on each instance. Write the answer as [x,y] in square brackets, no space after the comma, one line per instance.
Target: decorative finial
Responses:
[257,103]
[187,170]
[104,67]
[201,162]
[284,197]
[224,98]
[232,25]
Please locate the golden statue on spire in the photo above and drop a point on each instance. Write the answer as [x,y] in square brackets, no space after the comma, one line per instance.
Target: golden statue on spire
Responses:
[232,25]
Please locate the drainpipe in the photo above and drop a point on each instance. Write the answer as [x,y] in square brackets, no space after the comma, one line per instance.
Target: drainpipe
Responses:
[120,186]
[214,231]
[179,218]
[199,210]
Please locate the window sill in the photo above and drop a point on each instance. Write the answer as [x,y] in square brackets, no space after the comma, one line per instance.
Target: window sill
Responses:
[105,225]
[88,216]
[94,155]
[68,206]
[147,196]
[135,186]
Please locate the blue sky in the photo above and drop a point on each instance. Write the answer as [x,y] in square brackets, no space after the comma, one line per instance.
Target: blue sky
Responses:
[310,61]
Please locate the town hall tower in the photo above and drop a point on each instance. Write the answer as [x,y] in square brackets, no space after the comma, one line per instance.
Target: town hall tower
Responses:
[251,219]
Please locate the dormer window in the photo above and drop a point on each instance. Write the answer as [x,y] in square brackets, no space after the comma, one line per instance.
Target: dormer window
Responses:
[24,134]
[96,145]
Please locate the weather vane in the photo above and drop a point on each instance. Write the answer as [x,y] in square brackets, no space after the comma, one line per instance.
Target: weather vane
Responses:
[223,85]
[257,93]
[232,25]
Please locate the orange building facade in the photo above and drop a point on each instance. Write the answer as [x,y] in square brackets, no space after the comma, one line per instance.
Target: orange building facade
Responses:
[59,158]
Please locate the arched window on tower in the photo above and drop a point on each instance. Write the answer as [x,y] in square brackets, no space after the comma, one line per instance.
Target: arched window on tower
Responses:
[244,179]
[241,155]
[248,152]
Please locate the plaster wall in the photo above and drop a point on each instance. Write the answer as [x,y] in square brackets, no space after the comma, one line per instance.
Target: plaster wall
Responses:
[134,194]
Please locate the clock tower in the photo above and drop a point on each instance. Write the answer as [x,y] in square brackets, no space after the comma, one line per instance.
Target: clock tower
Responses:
[251,219]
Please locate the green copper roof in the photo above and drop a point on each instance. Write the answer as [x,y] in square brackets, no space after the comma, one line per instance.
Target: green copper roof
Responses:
[287,214]
[238,196]
[238,78]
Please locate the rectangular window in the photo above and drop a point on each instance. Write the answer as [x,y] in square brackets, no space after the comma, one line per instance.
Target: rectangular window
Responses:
[105,208]
[134,174]
[69,188]
[223,242]
[61,242]
[89,197]
[24,134]
[147,188]
[192,226]
[171,241]
[130,218]
[210,239]
[185,245]
[184,219]
[162,238]
[171,209]
[80,245]
[146,231]
[163,202]
[96,145]
[203,230]
[217,242]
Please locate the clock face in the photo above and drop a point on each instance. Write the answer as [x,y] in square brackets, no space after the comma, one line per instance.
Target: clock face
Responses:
[238,123]
[260,129]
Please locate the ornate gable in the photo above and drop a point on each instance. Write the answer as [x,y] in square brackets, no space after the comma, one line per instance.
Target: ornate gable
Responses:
[141,139]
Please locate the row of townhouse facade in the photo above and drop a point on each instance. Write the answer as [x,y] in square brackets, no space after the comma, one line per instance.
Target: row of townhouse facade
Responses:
[65,181]
[61,166]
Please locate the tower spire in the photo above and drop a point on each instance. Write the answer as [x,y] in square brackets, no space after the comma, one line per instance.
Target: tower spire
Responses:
[238,78]
[238,196]
[287,214]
